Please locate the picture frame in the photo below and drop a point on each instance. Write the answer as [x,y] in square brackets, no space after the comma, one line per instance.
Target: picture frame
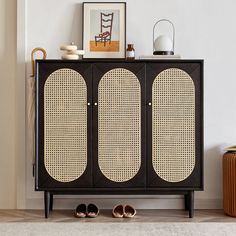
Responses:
[104,30]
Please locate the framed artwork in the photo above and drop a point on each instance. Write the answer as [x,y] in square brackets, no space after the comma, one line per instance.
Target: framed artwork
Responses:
[104,29]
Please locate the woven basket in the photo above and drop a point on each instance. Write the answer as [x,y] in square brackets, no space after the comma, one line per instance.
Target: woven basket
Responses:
[229,183]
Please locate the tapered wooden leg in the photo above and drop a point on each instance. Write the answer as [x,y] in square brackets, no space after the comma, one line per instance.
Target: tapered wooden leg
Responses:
[186,202]
[51,202]
[191,204]
[46,203]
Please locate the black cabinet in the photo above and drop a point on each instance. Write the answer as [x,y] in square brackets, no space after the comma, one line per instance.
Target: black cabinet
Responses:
[119,127]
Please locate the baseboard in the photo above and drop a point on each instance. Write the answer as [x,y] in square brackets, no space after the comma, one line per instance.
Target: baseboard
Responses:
[155,202]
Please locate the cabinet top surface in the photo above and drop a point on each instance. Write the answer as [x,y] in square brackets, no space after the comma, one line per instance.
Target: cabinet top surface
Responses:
[121,61]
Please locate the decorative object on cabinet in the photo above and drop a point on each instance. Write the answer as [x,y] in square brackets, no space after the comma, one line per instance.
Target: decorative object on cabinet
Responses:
[119,127]
[163,44]
[71,52]
[104,29]
[130,52]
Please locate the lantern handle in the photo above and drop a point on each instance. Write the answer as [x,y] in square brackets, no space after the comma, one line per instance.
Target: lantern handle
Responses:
[173,33]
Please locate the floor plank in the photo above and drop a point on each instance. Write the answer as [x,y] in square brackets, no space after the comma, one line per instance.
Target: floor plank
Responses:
[105,216]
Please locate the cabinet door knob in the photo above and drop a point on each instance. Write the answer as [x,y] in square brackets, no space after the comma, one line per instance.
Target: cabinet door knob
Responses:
[149,104]
[95,104]
[89,103]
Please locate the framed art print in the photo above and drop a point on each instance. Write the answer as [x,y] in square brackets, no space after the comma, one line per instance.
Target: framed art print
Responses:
[104,29]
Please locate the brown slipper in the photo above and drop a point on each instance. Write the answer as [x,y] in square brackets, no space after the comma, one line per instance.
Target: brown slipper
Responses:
[92,211]
[129,211]
[80,211]
[118,211]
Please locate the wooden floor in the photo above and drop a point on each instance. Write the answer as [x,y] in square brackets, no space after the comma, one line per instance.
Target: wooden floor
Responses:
[105,216]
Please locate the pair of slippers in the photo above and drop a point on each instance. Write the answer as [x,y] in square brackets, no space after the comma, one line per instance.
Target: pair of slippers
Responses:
[126,211]
[90,211]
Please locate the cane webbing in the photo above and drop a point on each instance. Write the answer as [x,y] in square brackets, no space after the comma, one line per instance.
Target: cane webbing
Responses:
[173,125]
[65,125]
[119,125]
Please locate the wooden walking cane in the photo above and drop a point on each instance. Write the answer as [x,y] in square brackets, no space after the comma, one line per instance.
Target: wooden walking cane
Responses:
[33,60]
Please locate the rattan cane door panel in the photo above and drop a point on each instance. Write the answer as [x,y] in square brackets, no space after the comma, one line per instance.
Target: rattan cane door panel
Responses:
[173,125]
[119,125]
[65,128]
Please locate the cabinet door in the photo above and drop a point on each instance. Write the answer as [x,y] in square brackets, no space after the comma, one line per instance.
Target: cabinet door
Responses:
[175,144]
[119,124]
[63,127]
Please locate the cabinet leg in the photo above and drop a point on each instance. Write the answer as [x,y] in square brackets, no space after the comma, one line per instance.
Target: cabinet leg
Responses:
[51,202]
[186,202]
[46,203]
[191,204]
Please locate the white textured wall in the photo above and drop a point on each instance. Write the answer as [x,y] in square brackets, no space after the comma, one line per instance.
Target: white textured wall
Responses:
[204,29]
[7,103]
